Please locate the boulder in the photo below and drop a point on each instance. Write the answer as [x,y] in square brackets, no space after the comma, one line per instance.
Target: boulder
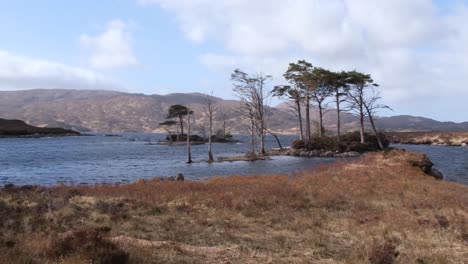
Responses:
[436,174]
[179,177]
[464,144]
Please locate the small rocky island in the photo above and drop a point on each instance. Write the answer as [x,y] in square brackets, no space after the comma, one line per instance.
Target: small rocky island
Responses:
[18,128]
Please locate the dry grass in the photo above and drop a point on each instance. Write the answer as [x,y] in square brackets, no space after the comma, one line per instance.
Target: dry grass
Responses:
[379,209]
[454,138]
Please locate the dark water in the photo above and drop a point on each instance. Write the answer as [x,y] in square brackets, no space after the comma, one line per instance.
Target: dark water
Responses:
[99,159]
[451,161]
[102,159]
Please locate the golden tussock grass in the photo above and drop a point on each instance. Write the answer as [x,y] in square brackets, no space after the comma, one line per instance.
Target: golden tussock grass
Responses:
[378,209]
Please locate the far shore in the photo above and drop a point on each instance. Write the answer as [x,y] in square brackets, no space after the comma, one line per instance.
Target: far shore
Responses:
[444,138]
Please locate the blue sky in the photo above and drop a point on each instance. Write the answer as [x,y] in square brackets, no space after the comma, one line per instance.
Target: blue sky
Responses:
[414,49]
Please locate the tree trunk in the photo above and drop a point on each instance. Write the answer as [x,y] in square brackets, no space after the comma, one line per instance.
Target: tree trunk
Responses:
[361,122]
[224,126]
[338,119]
[210,135]
[320,132]
[371,119]
[252,138]
[276,138]
[170,136]
[261,138]
[189,151]
[307,129]
[299,116]
[181,120]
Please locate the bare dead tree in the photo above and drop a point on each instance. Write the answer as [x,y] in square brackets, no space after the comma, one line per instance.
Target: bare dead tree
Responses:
[371,105]
[253,91]
[210,110]
[189,127]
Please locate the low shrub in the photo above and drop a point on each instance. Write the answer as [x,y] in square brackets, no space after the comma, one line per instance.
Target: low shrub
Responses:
[298,144]
[89,245]
[348,142]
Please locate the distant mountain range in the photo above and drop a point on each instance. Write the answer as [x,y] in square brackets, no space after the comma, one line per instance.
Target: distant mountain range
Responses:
[110,111]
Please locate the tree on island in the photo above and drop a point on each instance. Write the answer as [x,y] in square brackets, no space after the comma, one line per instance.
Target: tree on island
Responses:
[179,111]
[189,126]
[210,111]
[359,83]
[166,125]
[294,94]
[338,83]
[320,95]
[301,75]
[252,90]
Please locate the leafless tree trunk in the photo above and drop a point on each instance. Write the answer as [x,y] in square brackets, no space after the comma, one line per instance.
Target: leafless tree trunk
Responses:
[253,92]
[276,138]
[307,113]
[210,109]
[374,129]
[370,104]
[189,125]
[338,118]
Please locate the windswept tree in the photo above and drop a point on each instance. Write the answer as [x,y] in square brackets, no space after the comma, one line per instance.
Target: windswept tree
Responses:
[179,112]
[320,95]
[294,94]
[252,90]
[358,84]
[301,75]
[338,83]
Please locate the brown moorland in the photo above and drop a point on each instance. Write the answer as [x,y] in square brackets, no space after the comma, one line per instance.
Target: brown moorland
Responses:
[377,209]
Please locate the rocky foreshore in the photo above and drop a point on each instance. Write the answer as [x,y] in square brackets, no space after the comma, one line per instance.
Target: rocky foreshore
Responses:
[311,153]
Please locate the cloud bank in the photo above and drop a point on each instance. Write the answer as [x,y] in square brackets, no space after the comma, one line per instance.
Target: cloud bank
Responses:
[417,50]
[112,48]
[19,72]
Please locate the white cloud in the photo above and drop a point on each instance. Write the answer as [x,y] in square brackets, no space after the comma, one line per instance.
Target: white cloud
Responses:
[18,72]
[412,48]
[112,48]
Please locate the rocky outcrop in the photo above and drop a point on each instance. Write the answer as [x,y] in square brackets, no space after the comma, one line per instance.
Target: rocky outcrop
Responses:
[416,159]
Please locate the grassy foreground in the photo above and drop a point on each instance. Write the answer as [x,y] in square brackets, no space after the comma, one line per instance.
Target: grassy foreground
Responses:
[378,209]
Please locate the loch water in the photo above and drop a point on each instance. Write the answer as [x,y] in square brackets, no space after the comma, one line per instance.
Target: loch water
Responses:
[127,157]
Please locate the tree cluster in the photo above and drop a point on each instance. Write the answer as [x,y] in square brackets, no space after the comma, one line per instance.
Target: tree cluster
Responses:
[347,90]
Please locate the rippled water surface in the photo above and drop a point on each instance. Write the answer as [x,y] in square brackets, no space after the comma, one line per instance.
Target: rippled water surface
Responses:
[128,157]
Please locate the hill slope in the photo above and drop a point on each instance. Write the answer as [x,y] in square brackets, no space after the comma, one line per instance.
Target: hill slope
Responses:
[110,111]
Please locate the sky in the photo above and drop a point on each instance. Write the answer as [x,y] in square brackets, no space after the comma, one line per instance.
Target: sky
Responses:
[417,50]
